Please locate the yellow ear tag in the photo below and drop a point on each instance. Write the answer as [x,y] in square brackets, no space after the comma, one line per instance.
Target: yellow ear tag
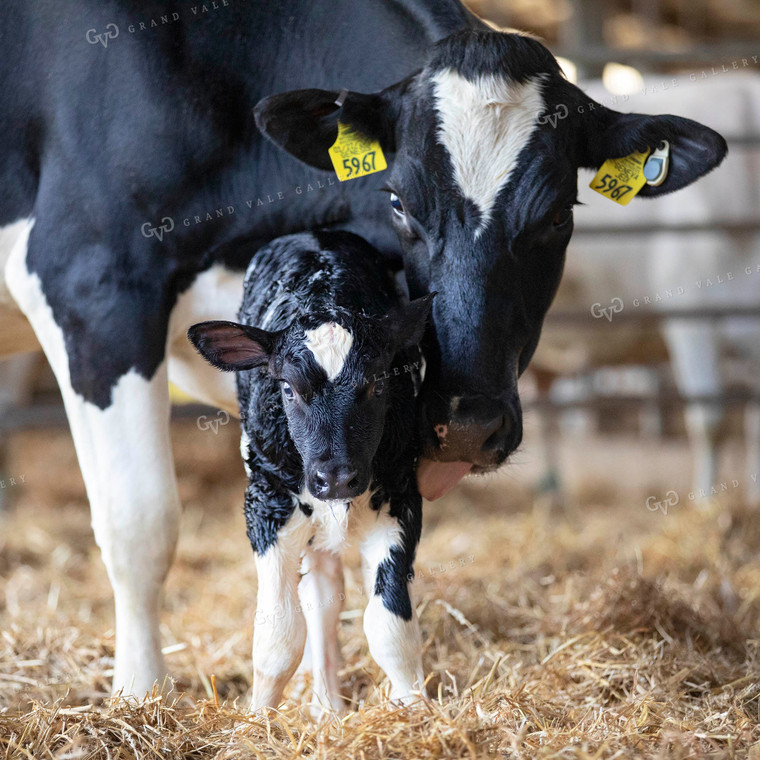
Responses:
[355,155]
[619,179]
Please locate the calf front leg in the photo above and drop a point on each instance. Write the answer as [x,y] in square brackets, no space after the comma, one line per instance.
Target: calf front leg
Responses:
[322,593]
[279,632]
[390,619]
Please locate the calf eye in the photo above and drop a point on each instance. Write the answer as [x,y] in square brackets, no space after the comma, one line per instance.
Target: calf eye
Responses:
[378,387]
[288,392]
[562,217]
[397,205]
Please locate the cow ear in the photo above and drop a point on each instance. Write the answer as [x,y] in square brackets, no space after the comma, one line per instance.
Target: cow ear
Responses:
[694,148]
[305,122]
[407,323]
[232,347]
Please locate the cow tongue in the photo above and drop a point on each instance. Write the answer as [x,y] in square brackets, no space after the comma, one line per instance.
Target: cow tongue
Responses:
[436,479]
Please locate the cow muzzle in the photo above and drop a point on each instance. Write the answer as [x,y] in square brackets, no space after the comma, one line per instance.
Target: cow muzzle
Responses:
[463,435]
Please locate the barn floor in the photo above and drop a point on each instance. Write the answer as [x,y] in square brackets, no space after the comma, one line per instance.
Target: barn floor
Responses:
[601,630]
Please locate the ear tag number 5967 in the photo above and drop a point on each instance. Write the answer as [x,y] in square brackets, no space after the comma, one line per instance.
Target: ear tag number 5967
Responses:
[355,155]
[619,179]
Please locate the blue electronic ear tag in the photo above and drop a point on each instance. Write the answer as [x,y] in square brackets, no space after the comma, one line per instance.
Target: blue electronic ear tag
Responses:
[656,167]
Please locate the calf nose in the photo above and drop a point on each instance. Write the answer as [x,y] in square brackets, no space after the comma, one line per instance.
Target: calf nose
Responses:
[335,481]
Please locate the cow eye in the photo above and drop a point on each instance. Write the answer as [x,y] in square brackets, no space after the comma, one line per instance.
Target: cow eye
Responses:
[397,205]
[562,217]
[378,387]
[287,391]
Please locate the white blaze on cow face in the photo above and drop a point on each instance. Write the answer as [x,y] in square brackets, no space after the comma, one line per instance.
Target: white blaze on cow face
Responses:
[484,125]
[330,344]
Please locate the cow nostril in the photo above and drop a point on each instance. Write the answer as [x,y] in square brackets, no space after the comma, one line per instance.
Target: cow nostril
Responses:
[496,432]
[353,483]
[320,481]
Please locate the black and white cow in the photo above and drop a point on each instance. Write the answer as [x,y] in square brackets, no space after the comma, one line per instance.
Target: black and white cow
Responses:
[128,163]
[325,355]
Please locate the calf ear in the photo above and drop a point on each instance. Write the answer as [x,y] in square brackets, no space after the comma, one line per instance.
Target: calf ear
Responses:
[232,347]
[408,322]
[694,148]
[305,122]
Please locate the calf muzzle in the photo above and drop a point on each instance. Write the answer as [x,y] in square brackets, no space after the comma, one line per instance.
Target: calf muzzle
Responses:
[329,480]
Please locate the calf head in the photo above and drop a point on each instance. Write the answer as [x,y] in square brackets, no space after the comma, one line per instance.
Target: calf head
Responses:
[481,187]
[336,383]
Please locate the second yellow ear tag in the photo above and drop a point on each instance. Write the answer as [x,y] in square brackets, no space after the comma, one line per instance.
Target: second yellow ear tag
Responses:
[355,155]
[619,179]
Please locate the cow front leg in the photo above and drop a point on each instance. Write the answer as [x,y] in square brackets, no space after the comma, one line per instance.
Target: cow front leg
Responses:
[119,419]
[279,632]
[321,592]
[390,619]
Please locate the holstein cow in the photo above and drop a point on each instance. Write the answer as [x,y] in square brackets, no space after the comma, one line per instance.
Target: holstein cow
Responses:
[671,270]
[325,355]
[129,162]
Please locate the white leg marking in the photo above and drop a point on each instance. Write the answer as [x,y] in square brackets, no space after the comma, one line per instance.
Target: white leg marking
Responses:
[279,633]
[394,643]
[330,344]
[125,455]
[215,294]
[484,126]
[321,594]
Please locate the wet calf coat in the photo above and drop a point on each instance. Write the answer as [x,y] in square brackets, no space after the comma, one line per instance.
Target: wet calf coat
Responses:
[327,361]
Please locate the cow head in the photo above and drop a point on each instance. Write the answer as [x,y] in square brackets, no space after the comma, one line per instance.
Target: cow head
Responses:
[481,186]
[336,383]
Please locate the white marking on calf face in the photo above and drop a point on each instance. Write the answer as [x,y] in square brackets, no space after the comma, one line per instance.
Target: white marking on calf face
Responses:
[484,125]
[330,344]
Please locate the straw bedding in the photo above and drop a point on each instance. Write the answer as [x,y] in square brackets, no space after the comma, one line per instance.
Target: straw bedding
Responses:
[596,632]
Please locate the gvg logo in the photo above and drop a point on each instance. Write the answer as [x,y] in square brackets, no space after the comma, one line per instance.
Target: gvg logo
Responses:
[166,226]
[598,311]
[111,33]
[670,500]
[221,418]
[560,112]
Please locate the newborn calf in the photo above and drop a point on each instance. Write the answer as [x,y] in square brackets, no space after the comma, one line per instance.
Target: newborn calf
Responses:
[327,364]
